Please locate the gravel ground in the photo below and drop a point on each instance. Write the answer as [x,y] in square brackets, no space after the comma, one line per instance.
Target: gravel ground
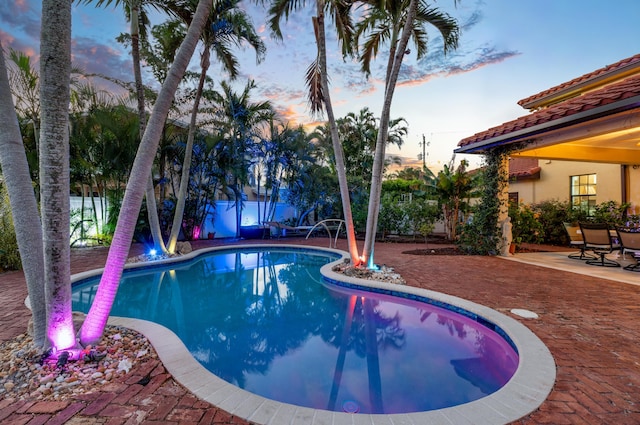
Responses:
[23,374]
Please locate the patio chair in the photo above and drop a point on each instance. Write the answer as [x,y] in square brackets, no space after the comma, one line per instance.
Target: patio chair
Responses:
[576,241]
[286,230]
[630,242]
[597,238]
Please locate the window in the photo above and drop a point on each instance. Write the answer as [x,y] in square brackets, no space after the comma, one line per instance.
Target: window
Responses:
[583,193]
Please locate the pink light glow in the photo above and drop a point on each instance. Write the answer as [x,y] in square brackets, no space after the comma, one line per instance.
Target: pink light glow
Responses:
[98,315]
[61,335]
[196,232]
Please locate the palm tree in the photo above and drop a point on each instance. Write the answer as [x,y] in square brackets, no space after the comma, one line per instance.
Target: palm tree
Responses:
[318,84]
[238,119]
[454,187]
[96,319]
[227,25]
[26,220]
[137,14]
[55,80]
[395,21]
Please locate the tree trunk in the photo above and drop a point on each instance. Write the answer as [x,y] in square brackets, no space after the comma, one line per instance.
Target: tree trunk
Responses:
[150,195]
[95,322]
[178,214]
[55,75]
[26,219]
[381,142]
[335,138]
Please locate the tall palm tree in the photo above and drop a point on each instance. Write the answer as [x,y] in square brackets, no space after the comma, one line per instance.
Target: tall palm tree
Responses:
[395,22]
[55,80]
[227,26]
[137,14]
[318,84]
[96,319]
[26,220]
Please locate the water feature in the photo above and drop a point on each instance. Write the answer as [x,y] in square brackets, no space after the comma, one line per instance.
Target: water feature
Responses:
[265,321]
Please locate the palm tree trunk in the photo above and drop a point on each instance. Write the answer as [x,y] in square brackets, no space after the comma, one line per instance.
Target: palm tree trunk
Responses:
[26,219]
[335,138]
[178,214]
[96,319]
[150,195]
[381,142]
[55,74]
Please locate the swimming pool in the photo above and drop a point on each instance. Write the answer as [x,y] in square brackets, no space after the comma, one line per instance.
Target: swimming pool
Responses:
[357,350]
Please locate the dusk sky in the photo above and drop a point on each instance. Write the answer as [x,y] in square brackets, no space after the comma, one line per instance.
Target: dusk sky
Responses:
[509,50]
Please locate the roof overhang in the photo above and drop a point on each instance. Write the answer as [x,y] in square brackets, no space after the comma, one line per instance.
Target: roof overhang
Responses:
[608,133]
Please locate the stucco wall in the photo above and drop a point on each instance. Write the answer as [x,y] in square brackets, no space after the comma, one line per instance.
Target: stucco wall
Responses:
[555,180]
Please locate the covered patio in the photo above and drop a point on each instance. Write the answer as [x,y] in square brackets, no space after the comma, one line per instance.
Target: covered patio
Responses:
[592,118]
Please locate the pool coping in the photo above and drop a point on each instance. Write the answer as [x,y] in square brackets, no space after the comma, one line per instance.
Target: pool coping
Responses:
[526,390]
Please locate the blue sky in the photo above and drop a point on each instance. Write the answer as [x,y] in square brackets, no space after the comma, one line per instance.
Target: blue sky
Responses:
[509,50]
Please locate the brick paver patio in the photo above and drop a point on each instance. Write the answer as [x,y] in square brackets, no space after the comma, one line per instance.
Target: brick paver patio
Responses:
[590,325]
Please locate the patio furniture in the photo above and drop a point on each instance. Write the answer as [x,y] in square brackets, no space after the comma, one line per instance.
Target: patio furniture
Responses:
[597,238]
[630,242]
[286,230]
[575,240]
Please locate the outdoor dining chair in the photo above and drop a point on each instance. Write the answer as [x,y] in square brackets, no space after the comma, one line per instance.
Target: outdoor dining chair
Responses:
[630,242]
[597,239]
[576,241]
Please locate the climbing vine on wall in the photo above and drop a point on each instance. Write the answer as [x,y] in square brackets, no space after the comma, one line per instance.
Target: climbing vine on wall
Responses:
[481,235]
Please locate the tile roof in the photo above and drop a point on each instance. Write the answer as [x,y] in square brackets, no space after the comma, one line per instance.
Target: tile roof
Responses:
[633,61]
[607,95]
[523,167]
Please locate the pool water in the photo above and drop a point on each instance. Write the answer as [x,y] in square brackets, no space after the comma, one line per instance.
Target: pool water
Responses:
[264,320]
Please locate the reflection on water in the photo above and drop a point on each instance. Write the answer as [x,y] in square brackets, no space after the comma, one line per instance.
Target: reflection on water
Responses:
[264,321]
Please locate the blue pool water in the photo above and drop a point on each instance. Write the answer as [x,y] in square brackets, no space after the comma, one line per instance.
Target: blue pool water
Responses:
[264,320]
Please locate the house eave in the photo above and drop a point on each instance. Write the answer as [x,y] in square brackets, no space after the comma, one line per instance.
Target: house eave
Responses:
[567,121]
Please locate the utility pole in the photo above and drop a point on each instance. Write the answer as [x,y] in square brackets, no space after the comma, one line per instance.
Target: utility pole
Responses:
[424,145]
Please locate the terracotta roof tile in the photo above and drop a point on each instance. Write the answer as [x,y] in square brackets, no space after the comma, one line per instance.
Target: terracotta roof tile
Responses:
[584,78]
[612,93]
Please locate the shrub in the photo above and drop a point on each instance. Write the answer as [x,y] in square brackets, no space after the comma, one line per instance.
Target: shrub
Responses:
[9,254]
[526,225]
[612,213]
[552,214]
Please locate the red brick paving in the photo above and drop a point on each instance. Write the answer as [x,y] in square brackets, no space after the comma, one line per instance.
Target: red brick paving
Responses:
[590,325]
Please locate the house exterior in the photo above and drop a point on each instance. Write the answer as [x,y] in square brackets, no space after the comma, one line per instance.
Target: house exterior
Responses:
[580,141]
[533,180]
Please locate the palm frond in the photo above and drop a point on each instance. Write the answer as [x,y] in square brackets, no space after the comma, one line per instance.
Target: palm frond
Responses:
[315,94]
[280,9]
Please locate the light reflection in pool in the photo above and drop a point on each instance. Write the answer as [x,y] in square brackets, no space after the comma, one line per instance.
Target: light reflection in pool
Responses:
[264,321]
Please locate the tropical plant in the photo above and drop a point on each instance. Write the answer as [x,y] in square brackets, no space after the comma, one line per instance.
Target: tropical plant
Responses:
[227,26]
[395,22]
[454,188]
[9,253]
[421,214]
[137,15]
[318,84]
[239,121]
[96,319]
